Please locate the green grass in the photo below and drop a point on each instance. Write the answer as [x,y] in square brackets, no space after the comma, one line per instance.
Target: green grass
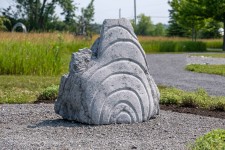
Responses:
[173,46]
[214,140]
[37,54]
[215,44]
[30,59]
[198,99]
[23,89]
[209,69]
[28,89]
[45,59]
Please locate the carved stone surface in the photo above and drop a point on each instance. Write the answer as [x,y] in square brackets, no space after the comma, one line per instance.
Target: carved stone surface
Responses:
[109,83]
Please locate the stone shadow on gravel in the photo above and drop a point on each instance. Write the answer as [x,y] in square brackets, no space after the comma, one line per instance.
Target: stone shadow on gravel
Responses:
[58,123]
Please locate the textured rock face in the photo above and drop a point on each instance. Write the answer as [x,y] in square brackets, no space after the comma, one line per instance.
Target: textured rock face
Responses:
[109,83]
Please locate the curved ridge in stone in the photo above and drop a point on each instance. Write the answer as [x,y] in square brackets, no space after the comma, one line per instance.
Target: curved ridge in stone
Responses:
[115,86]
[101,97]
[123,27]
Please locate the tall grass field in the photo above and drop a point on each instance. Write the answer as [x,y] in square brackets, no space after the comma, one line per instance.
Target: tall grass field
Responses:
[48,54]
[214,43]
[37,54]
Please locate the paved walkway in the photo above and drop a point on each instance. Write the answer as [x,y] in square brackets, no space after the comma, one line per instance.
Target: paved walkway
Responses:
[168,69]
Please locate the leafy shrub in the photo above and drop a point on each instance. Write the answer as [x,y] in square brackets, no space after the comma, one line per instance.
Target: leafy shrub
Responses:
[218,105]
[170,96]
[49,93]
[214,140]
[189,101]
[198,99]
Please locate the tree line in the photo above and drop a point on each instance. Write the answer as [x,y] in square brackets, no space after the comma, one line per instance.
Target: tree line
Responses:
[188,18]
[146,27]
[197,18]
[40,16]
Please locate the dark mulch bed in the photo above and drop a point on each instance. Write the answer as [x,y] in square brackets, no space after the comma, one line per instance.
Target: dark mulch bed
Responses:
[44,101]
[175,108]
[196,111]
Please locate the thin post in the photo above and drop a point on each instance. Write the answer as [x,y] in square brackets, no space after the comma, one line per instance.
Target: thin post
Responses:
[135,15]
[119,13]
[223,35]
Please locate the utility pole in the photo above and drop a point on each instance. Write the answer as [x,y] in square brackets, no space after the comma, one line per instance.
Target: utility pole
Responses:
[119,13]
[135,15]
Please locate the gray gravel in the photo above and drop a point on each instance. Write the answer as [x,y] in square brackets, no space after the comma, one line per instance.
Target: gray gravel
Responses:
[168,69]
[36,126]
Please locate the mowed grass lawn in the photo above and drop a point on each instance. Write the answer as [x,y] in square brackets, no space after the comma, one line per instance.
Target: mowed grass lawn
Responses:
[24,89]
[207,68]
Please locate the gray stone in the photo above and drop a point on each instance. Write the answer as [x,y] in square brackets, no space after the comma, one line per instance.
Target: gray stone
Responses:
[111,82]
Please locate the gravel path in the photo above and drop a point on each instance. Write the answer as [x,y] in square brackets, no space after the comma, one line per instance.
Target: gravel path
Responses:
[168,69]
[36,126]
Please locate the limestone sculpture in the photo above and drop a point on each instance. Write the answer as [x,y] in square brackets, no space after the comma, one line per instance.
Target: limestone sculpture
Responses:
[109,83]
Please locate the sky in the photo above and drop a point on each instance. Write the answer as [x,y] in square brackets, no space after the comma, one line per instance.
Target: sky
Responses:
[109,9]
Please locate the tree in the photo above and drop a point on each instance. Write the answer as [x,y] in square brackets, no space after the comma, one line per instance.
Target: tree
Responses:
[159,30]
[3,20]
[144,25]
[186,14]
[199,11]
[211,29]
[39,13]
[174,28]
[84,21]
[214,9]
